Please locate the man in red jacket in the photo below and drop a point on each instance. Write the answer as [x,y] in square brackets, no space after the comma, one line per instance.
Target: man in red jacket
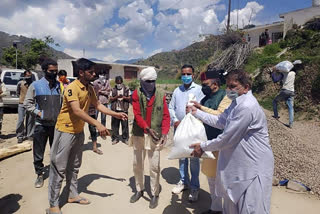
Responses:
[149,132]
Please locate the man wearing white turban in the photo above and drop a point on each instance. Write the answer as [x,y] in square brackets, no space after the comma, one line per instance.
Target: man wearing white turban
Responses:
[149,133]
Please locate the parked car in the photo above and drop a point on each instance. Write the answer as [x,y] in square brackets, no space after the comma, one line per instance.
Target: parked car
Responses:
[71,79]
[11,77]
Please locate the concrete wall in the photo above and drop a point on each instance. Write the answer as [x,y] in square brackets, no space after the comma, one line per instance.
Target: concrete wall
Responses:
[299,17]
[116,70]
[256,32]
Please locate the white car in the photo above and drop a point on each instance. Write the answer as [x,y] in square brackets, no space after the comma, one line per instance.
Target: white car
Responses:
[11,77]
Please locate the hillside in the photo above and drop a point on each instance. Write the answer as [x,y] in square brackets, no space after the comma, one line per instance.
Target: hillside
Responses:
[6,40]
[300,44]
[196,54]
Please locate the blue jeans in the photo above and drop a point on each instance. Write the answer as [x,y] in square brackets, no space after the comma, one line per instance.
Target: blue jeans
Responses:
[195,170]
[288,96]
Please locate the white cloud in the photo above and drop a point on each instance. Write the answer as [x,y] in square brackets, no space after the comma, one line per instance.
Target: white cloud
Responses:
[109,58]
[155,52]
[182,28]
[245,15]
[135,33]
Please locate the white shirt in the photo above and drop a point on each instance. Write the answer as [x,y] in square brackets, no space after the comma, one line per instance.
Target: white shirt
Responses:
[288,80]
[179,100]
[244,150]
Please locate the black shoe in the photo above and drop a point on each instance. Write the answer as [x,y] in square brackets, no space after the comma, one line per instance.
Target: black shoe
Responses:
[154,202]
[211,212]
[39,182]
[136,197]
[20,140]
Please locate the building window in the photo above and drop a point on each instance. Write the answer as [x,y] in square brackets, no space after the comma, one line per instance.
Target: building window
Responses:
[130,72]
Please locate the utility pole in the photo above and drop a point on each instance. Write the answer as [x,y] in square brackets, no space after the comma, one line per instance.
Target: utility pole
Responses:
[228,22]
[15,44]
[238,16]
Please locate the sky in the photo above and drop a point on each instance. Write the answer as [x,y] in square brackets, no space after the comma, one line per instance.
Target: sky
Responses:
[124,29]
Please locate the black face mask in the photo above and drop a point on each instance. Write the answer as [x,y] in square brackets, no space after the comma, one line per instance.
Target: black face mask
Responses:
[206,90]
[51,76]
[148,88]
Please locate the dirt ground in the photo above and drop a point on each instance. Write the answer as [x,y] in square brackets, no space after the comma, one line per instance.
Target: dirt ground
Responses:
[107,180]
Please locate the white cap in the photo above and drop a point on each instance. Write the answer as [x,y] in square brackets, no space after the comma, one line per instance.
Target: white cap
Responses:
[148,74]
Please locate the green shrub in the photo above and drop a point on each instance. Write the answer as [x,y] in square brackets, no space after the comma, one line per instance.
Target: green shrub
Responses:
[133,84]
[271,49]
[315,90]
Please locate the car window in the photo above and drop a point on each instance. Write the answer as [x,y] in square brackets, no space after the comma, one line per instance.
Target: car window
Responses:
[71,79]
[12,78]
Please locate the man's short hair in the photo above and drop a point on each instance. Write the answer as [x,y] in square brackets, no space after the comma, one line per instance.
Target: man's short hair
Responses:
[187,66]
[25,72]
[241,76]
[84,64]
[62,73]
[45,64]
[118,78]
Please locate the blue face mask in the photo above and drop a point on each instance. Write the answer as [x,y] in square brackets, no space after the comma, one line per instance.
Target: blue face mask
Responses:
[232,94]
[186,79]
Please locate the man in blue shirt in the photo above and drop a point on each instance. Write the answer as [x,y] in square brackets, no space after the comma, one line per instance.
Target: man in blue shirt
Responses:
[43,100]
[177,109]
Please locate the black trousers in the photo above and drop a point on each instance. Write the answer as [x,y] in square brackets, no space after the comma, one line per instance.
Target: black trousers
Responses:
[92,129]
[115,125]
[40,138]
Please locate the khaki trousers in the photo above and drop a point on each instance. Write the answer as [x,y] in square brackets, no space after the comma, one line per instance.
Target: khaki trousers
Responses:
[140,150]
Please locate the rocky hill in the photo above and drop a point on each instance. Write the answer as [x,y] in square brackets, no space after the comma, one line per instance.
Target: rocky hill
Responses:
[196,54]
[6,40]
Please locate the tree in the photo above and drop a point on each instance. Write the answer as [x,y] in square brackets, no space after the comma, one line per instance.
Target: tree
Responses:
[38,48]
[9,57]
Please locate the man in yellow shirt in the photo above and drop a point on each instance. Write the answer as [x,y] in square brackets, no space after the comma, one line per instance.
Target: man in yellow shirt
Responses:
[66,151]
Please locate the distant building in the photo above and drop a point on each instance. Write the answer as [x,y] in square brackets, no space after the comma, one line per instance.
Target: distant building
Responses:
[127,71]
[275,30]
[278,30]
[301,16]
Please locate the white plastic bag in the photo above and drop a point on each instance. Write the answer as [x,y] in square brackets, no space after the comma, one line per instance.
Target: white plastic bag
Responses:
[189,131]
[284,66]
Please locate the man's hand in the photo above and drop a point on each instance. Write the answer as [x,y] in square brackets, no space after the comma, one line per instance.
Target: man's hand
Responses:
[153,134]
[197,151]
[176,124]
[163,139]
[196,104]
[191,109]
[121,115]
[39,114]
[103,131]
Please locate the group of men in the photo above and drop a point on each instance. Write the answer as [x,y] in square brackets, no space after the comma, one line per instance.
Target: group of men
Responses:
[235,125]
[237,133]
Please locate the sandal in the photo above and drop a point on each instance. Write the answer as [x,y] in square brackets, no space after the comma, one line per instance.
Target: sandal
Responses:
[80,200]
[98,151]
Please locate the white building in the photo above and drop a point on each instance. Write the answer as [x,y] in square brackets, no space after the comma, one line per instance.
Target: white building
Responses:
[278,30]
[113,69]
[252,34]
[301,16]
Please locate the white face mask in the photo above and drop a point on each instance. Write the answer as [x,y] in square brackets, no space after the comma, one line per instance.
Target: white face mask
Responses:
[119,86]
[232,94]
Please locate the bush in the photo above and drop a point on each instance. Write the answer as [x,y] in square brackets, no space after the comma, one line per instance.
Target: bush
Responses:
[133,84]
[315,90]
[272,49]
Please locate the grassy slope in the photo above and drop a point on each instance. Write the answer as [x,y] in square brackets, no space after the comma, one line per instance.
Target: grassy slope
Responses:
[303,45]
